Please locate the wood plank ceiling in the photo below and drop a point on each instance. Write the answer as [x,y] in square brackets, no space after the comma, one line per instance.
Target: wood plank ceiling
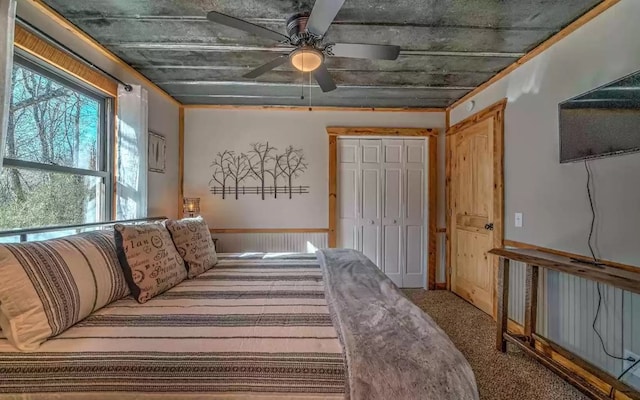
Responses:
[449,47]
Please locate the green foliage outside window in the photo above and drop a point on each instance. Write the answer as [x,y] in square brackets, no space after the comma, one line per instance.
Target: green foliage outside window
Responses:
[50,124]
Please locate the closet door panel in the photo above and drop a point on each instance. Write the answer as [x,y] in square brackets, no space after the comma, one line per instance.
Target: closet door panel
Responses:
[392,198]
[371,243]
[415,214]
[370,194]
[415,195]
[392,192]
[371,199]
[414,269]
[348,189]
[392,252]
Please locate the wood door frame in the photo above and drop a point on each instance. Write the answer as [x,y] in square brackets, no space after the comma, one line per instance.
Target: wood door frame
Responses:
[432,137]
[495,111]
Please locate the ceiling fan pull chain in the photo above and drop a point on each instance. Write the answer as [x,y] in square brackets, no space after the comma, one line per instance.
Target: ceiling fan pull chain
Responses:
[302,82]
[309,91]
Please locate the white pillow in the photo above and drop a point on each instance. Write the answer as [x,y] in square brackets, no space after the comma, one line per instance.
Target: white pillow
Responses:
[46,287]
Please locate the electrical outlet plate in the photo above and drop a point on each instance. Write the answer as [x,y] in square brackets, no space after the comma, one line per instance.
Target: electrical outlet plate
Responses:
[626,364]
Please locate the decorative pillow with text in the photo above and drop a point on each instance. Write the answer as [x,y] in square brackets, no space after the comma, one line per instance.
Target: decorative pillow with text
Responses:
[193,241]
[150,261]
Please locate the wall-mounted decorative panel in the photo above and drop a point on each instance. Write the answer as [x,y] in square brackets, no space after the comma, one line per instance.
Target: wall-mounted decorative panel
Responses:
[270,242]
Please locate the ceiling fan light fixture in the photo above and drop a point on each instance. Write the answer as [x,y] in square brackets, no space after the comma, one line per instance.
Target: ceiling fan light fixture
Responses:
[306,59]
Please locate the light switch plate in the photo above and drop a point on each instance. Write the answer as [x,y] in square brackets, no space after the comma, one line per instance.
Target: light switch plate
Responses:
[518,220]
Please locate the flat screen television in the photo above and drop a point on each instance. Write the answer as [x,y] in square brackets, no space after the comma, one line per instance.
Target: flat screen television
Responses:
[601,123]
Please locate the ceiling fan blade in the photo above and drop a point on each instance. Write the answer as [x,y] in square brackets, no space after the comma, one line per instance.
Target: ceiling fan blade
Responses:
[322,15]
[324,79]
[227,20]
[267,67]
[370,51]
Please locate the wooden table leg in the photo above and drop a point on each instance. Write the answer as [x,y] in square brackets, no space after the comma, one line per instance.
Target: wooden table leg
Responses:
[503,304]
[531,303]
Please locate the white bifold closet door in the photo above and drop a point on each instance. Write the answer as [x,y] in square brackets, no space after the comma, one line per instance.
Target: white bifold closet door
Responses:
[381,206]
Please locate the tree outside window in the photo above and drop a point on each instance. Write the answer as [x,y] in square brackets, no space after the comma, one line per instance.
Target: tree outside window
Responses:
[55,169]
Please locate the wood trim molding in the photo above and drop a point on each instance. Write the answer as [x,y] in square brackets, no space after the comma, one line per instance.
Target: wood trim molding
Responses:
[433,212]
[71,28]
[495,111]
[379,131]
[591,14]
[114,161]
[317,108]
[488,112]
[447,215]
[180,161]
[521,245]
[432,135]
[333,191]
[271,230]
[441,286]
[35,46]
[576,365]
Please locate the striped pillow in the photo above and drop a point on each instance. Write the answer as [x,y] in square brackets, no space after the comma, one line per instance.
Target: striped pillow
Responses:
[48,286]
[150,261]
[193,241]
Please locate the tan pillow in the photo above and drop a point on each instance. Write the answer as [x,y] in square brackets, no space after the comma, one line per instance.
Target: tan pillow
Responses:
[193,241]
[150,261]
[46,287]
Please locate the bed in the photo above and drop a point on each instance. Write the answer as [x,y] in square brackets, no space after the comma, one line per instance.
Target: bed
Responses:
[258,326]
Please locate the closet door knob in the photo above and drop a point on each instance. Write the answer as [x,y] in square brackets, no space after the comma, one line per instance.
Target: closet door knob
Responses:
[395,221]
[371,222]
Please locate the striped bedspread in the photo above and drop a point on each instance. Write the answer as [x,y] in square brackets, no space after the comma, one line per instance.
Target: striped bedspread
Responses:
[255,326]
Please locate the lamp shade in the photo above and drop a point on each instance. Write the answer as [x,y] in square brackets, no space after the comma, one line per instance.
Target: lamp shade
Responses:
[191,205]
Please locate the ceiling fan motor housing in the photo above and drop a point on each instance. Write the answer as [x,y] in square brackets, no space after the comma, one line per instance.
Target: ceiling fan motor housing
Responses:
[297,30]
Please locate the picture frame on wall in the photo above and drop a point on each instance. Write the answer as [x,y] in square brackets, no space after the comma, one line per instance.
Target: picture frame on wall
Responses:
[157,152]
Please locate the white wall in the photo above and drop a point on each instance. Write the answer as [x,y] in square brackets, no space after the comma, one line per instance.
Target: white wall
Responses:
[163,113]
[552,196]
[208,131]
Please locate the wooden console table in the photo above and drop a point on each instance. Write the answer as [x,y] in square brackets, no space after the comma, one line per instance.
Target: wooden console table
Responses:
[542,349]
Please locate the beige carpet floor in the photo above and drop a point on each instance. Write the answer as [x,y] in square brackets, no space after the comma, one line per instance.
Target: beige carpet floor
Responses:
[512,375]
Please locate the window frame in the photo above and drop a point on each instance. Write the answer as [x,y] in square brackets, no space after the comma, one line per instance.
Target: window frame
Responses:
[105,142]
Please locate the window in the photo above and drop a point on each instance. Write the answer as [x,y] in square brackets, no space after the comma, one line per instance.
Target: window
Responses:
[57,165]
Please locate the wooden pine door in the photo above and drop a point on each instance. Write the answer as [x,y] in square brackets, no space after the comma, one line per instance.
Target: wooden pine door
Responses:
[472,214]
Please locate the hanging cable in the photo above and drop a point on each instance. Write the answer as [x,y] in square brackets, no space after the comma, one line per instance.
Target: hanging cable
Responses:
[70,52]
[596,262]
[626,371]
[593,211]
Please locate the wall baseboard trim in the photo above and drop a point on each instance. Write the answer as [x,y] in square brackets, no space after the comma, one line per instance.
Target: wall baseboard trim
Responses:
[441,286]
[521,245]
[592,375]
[270,230]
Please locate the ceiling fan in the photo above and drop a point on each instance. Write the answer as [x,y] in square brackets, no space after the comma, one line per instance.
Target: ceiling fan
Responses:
[306,34]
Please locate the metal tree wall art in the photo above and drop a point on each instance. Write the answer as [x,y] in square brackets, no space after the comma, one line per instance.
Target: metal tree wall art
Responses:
[292,165]
[272,171]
